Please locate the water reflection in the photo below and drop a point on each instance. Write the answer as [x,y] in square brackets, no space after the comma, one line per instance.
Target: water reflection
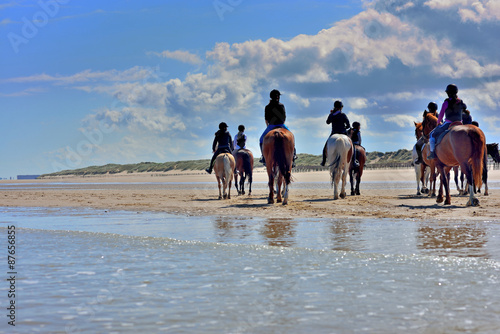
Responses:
[279,232]
[231,228]
[345,235]
[462,241]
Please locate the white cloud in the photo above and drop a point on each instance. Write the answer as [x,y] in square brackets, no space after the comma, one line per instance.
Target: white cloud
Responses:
[183,56]
[299,100]
[402,121]
[357,103]
[470,10]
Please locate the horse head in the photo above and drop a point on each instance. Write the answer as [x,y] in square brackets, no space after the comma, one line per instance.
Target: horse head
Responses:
[418,129]
[429,123]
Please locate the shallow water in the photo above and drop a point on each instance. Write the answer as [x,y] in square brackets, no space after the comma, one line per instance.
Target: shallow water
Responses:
[96,271]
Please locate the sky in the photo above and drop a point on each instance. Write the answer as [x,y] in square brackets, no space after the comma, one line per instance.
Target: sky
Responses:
[87,82]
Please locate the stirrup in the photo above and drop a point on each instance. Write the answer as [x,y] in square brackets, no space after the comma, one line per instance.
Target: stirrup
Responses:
[431,156]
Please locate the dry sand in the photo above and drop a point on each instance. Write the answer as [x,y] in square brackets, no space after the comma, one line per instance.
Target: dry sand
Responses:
[179,192]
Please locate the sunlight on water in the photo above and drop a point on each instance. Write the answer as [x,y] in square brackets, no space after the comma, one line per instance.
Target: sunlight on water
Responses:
[92,271]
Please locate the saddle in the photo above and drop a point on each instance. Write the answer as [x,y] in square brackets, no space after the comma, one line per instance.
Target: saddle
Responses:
[452,125]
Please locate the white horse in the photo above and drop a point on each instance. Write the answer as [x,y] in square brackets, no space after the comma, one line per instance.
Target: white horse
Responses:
[418,173]
[339,154]
[224,170]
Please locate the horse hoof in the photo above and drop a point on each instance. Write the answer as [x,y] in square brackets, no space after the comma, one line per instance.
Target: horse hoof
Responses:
[285,202]
[270,201]
[342,195]
[439,200]
[220,197]
[278,200]
[353,193]
[447,202]
[243,193]
[228,196]
[358,193]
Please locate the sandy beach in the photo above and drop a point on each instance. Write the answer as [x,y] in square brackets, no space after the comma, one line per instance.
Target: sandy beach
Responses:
[180,192]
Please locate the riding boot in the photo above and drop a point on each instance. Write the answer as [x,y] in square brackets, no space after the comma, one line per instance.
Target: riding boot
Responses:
[355,161]
[324,155]
[432,147]
[209,169]
[418,148]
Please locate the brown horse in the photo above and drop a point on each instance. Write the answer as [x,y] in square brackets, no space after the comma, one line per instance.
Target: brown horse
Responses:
[244,168]
[277,148]
[357,171]
[492,150]
[463,145]
[223,168]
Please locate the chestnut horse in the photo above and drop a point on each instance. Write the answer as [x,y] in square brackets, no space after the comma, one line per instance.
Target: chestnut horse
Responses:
[464,146]
[339,155]
[277,148]
[244,168]
[357,171]
[223,168]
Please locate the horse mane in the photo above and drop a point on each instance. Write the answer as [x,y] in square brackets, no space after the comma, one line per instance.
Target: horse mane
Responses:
[429,122]
[418,128]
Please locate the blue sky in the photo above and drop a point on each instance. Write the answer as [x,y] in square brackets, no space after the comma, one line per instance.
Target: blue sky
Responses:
[94,82]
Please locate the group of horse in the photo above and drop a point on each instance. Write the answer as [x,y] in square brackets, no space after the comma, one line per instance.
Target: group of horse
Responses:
[462,147]
[278,151]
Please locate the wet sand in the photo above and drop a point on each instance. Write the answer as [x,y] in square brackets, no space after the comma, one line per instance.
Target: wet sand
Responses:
[192,193]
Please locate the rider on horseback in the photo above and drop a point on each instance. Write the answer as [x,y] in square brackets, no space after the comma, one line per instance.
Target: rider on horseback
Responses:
[240,139]
[275,116]
[355,135]
[452,111]
[340,124]
[223,143]
[432,106]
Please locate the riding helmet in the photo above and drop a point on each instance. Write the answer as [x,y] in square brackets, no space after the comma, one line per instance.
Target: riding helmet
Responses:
[451,89]
[274,93]
[222,126]
[432,106]
[241,127]
[338,104]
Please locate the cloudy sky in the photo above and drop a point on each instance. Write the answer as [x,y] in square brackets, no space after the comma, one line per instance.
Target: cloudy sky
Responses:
[87,82]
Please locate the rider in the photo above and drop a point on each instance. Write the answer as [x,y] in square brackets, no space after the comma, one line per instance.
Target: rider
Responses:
[240,139]
[223,142]
[355,135]
[466,117]
[451,110]
[275,116]
[340,124]
[432,106]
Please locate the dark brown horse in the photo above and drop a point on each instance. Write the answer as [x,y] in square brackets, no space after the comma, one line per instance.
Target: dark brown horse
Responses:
[464,146]
[277,148]
[492,150]
[244,168]
[357,171]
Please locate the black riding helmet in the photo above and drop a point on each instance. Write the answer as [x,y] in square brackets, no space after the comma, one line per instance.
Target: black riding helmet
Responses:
[451,89]
[222,126]
[241,127]
[432,106]
[274,93]
[338,104]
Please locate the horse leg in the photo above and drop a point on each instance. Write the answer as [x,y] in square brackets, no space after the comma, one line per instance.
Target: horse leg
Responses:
[418,177]
[358,181]
[467,168]
[250,183]
[344,179]
[242,183]
[218,183]
[351,178]
[270,199]
[445,183]
[236,182]
[278,188]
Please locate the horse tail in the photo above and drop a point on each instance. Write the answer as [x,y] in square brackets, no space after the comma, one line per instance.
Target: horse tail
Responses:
[247,166]
[478,156]
[227,169]
[334,168]
[280,156]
